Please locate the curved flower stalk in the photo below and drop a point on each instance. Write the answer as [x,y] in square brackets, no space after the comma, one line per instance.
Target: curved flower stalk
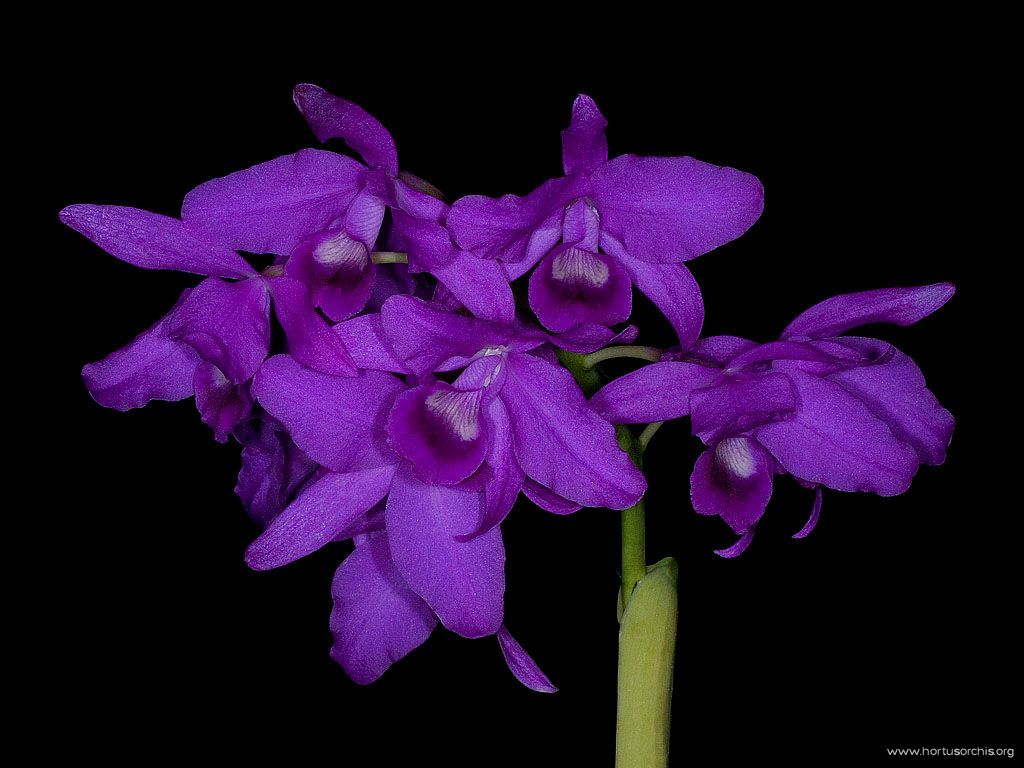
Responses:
[213,340]
[610,224]
[835,411]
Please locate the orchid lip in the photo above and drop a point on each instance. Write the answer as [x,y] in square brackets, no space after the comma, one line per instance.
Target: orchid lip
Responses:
[733,454]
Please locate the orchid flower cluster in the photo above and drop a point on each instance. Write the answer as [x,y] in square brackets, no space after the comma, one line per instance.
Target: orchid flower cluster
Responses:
[386,387]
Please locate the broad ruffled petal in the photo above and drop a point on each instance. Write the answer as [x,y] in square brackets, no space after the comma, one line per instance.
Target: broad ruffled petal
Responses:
[560,440]
[899,306]
[584,146]
[338,421]
[222,404]
[480,284]
[424,335]
[152,241]
[733,480]
[332,117]
[228,324]
[464,582]
[333,507]
[739,405]
[667,209]
[896,392]
[311,340]
[674,291]
[656,392]
[366,341]
[274,206]
[836,441]
[376,619]
[152,367]
[501,228]
[521,665]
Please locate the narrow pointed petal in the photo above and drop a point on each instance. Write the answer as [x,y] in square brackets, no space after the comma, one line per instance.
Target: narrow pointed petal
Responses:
[834,439]
[584,146]
[274,206]
[733,480]
[332,117]
[656,392]
[739,547]
[812,521]
[311,340]
[228,324]
[899,306]
[152,241]
[522,665]
[719,350]
[335,420]
[152,367]
[896,392]
[561,442]
[674,291]
[668,209]
[332,508]
[464,582]
[376,619]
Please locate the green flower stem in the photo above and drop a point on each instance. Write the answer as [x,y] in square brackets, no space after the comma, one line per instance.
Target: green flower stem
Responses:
[647,645]
[650,354]
[389,257]
[634,533]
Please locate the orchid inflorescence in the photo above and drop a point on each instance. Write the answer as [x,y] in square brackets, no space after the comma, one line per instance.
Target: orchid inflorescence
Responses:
[386,387]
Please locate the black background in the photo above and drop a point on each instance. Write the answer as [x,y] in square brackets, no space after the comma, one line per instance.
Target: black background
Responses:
[893,624]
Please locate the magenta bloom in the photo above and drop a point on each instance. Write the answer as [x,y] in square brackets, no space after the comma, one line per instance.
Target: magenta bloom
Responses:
[411,566]
[844,412]
[322,214]
[213,340]
[610,224]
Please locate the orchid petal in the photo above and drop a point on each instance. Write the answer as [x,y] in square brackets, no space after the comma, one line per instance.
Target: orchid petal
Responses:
[152,241]
[464,582]
[332,508]
[332,117]
[584,146]
[812,521]
[899,306]
[376,619]
[668,209]
[522,665]
[656,392]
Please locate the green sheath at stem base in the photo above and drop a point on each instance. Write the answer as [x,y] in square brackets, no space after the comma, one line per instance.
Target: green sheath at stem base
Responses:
[647,644]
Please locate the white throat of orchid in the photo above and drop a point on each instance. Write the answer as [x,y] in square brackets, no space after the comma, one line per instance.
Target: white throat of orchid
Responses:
[733,454]
[578,267]
[458,411]
[341,251]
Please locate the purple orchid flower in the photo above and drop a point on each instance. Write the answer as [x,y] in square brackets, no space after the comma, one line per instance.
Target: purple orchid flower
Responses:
[610,224]
[274,469]
[324,213]
[844,412]
[213,340]
[410,567]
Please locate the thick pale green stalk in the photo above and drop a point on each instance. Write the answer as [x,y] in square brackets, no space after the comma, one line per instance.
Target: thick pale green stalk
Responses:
[647,644]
